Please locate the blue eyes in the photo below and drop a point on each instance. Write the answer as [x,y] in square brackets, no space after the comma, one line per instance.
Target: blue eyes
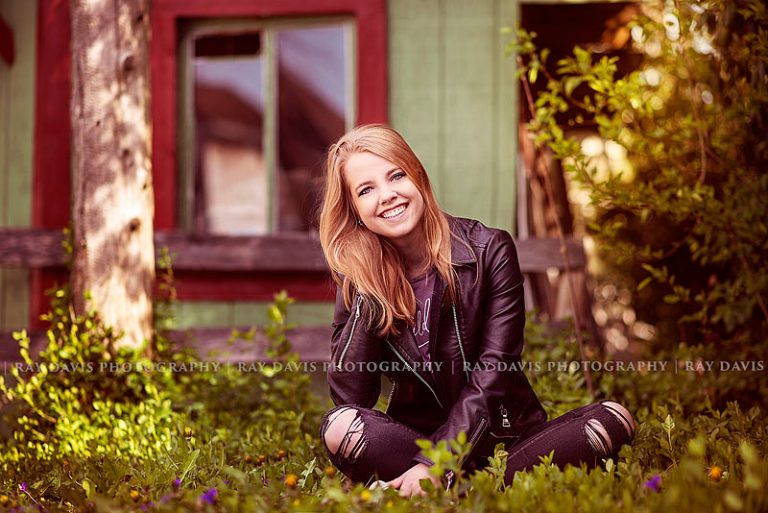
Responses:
[397,176]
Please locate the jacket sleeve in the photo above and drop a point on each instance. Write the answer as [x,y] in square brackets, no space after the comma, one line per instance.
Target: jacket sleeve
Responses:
[502,341]
[354,374]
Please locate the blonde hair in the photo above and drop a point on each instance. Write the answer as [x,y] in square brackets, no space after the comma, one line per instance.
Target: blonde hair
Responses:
[365,261]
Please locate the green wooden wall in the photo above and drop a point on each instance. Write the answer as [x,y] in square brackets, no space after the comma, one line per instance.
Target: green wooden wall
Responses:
[17,90]
[453,97]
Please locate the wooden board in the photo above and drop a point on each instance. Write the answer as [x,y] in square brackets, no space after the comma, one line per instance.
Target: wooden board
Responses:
[452,96]
[16,136]
[42,248]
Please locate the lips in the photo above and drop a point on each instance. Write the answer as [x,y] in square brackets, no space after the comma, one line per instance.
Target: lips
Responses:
[394,212]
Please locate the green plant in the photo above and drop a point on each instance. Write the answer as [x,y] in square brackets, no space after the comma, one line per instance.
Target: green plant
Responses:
[689,208]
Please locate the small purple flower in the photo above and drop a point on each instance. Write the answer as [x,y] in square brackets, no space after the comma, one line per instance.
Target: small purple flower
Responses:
[23,487]
[654,483]
[210,496]
[176,483]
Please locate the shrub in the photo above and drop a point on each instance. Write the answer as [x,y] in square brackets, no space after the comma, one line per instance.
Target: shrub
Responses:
[687,219]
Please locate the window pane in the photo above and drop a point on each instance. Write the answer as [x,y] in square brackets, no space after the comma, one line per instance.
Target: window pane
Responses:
[313,99]
[231,182]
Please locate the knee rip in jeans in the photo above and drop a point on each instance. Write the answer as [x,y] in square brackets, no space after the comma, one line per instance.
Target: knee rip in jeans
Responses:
[344,433]
[598,436]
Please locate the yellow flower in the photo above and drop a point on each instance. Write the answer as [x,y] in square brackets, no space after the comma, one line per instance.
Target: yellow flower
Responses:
[188,432]
[4,500]
[135,496]
[365,495]
[715,473]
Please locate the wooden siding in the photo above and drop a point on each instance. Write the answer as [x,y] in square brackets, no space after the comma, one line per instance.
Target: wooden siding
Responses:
[190,314]
[453,96]
[16,136]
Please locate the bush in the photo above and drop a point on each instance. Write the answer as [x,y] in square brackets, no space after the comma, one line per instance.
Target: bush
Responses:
[686,219]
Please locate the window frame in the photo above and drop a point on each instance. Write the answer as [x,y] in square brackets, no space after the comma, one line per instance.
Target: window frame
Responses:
[301,277]
[268,29]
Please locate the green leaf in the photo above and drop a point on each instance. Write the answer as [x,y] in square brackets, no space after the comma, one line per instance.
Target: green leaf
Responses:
[189,462]
[533,74]
[572,83]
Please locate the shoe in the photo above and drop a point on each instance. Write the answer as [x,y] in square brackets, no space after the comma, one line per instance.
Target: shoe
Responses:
[380,484]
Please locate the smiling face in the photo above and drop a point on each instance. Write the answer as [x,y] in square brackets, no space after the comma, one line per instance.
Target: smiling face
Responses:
[386,200]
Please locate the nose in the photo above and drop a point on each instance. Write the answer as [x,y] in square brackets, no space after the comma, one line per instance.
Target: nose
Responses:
[388,194]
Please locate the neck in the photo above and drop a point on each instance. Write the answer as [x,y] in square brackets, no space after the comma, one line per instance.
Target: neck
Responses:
[414,257]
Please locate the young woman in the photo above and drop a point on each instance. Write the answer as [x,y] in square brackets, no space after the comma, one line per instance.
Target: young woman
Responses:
[435,303]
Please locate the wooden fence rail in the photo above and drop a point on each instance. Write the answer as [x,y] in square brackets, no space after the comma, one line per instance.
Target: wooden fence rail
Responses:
[36,248]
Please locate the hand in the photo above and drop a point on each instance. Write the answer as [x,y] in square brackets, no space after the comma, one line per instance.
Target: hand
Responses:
[408,482]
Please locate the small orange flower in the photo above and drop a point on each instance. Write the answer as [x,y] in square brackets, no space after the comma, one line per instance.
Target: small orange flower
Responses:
[248,458]
[261,459]
[134,495]
[4,500]
[280,454]
[715,473]
[291,480]
[330,471]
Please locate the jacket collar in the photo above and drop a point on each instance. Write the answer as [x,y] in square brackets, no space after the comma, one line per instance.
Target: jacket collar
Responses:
[461,252]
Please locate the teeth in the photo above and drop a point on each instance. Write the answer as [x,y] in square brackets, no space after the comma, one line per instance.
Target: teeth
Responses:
[393,212]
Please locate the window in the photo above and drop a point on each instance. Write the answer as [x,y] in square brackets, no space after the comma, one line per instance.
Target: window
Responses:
[257,36]
[260,102]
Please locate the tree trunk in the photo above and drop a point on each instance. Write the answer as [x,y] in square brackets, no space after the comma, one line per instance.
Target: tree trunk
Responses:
[113,201]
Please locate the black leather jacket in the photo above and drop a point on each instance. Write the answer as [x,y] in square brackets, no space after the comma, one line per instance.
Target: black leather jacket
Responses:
[476,342]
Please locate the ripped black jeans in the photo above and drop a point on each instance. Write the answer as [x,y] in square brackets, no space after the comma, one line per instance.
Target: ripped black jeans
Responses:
[375,446]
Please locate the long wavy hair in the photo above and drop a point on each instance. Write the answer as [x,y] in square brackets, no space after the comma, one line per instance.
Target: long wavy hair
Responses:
[364,261]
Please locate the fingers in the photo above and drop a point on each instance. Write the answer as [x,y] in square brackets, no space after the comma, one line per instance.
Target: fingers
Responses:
[396,482]
[410,491]
[411,487]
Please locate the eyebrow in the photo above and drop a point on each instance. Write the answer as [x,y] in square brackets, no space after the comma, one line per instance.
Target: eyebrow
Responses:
[368,182]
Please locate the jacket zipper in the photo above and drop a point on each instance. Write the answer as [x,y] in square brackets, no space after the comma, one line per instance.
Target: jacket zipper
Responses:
[475,437]
[351,331]
[458,337]
[391,395]
[415,373]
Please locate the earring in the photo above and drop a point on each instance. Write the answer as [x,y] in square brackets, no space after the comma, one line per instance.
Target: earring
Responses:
[359,222]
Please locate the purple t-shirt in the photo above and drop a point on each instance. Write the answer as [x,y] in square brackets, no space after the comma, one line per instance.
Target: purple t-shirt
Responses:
[422,289]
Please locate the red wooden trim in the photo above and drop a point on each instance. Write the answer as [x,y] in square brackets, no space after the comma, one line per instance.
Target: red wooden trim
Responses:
[50,182]
[219,286]
[7,48]
[51,187]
